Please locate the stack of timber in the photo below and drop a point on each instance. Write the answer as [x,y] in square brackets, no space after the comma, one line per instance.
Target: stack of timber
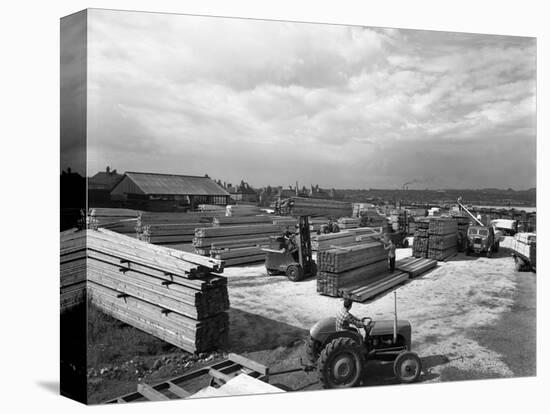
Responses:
[167,228]
[285,221]
[240,221]
[243,210]
[349,222]
[372,218]
[167,293]
[236,244]
[420,242]
[73,269]
[343,267]
[361,292]
[525,245]
[320,207]
[415,267]
[442,242]
[120,220]
[345,238]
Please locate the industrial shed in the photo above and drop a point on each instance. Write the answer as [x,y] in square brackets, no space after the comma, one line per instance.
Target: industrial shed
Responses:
[168,191]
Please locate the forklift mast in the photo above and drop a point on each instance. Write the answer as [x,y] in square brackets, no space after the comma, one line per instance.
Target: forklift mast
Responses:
[305,252]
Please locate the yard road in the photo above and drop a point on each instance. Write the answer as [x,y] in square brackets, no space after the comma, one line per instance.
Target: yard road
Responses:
[472,318]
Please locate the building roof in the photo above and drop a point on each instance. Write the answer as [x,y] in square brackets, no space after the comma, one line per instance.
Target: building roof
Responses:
[171,184]
[104,180]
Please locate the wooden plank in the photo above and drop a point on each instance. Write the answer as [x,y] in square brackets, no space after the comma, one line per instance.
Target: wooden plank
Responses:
[150,393]
[180,392]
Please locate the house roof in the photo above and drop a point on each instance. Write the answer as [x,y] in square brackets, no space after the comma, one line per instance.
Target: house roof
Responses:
[104,180]
[172,184]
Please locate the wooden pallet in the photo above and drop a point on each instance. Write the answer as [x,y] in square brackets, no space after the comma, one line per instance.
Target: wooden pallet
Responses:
[187,385]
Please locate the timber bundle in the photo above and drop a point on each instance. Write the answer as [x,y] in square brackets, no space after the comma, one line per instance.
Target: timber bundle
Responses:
[345,238]
[320,207]
[442,241]
[168,228]
[349,222]
[435,238]
[167,293]
[236,244]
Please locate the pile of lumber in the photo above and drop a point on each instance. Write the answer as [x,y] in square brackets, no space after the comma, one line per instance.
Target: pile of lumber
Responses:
[167,228]
[415,267]
[442,240]
[420,242]
[243,210]
[525,245]
[372,218]
[320,207]
[342,267]
[170,294]
[240,221]
[361,292]
[237,244]
[73,269]
[344,238]
[435,238]
[120,220]
[349,222]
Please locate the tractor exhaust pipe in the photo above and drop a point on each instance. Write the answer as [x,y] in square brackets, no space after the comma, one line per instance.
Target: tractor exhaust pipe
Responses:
[394,317]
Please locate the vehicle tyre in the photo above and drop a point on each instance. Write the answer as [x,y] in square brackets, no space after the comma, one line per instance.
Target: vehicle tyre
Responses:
[272,272]
[295,272]
[313,348]
[407,367]
[341,364]
[313,269]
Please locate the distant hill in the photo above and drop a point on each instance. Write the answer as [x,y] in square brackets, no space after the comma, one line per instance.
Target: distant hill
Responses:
[489,196]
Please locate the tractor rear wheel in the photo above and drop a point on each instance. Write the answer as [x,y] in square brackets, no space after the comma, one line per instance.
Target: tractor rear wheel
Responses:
[295,272]
[407,367]
[341,364]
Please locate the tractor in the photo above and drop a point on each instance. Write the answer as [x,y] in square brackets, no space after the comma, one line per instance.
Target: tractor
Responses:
[341,356]
[291,253]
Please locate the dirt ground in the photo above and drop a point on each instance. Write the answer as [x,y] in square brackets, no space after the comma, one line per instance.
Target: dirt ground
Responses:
[472,318]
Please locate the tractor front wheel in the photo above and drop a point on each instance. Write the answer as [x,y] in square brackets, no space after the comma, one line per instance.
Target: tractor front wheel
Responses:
[407,367]
[295,272]
[272,272]
[341,364]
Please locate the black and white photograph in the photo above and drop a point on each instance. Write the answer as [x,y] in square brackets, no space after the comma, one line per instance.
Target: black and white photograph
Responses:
[254,206]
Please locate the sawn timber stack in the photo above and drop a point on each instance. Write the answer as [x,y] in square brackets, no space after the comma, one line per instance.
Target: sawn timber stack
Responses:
[167,293]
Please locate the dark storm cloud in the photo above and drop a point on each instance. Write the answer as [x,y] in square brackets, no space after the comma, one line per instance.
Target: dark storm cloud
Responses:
[276,102]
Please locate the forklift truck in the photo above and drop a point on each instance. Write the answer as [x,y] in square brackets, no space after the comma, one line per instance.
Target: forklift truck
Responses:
[291,253]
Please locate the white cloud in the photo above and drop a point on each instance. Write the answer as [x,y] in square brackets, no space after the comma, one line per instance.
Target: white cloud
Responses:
[241,98]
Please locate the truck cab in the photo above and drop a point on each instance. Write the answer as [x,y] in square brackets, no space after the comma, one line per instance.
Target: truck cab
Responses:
[482,240]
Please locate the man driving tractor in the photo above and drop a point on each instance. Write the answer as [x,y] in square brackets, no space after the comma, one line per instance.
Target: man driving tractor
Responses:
[344,319]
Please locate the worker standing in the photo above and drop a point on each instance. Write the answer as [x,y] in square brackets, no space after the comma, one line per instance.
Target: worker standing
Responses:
[390,247]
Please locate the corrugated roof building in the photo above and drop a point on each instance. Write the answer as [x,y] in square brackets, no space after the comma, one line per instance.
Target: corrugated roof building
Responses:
[170,190]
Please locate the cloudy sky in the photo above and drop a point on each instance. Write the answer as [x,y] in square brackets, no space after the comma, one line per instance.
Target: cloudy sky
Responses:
[275,102]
